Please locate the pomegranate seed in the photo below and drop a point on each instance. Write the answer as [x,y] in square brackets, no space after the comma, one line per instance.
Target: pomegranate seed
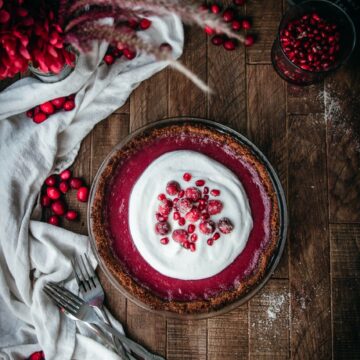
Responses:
[160,217]
[187,177]
[228,15]
[51,180]
[215,207]
[202,207]
[58,102]
[175,201]
[64,187]
[71,215]
[207,226]
[206,190]
[162,228]
[53,193]
[216,236]
[164,240]
[193,193]
[215,8]
[225,226]
[191,228]
[65,175]
[184,205]
[58,207]
[144,24]
[316,17]
[193,237]
[69,105]
[161,197]
[192,247]
[172,188]
[236,25]
[204,216]
[249,40]
[83,194]
[180,235]
[181,194]
[206,197]
[229,45]
[181,221]
[47,108]
[193,215]
[176,215]
[210,242]
[164,209]
[45,201]
[54,220]
[109,59]
[186,244]
[39,118]
[215,192]
[246,24]
[76,183]
[209,30]
[30,113]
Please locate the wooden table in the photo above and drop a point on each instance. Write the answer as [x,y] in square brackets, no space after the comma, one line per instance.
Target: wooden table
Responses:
[310,309]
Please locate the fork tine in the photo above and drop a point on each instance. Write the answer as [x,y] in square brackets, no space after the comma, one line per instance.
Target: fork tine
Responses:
[66,294]
[79,282]
[88,269]
[61,303]
[82,276]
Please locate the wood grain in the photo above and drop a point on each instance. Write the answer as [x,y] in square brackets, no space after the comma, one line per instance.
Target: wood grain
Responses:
[309,242]
[345,263]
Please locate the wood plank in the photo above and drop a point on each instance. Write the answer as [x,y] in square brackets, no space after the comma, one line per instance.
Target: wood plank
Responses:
[228,335]
[343,118]
[268,127]
[269,322]
[345,265]
[309,239]
[125,109]
[266,16]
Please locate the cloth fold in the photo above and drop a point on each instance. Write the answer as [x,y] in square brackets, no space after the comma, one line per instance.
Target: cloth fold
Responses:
[32,252]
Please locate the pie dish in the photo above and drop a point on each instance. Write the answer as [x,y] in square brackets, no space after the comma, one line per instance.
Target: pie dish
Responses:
[187,217]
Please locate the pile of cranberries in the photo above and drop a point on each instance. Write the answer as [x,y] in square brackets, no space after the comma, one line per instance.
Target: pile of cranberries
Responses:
[54,189]
[41,112]
[311,42]
[232,17]
[192,208]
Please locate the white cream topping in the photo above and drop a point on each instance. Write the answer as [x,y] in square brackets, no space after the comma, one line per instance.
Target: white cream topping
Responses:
[172,259]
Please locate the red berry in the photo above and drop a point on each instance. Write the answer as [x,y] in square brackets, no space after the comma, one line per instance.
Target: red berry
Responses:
[228,15]
[71,215]
[225,226]
[47,108]
[200,183]
[184,205]
[206,197]
[236,25]
[191,228]
[133,23]
[229,45]
[162,228]
[207,226]
[193,193]
[39,117]
[30,113]
[53,193]
[76,183]
[176,215]
[239,2]
[161,197]
[45,201]
[144,24]
[209,30]
[58,102]
[206,190]
[193,215]
[205,216]
[129,54]
[181,193]
[164,240]
[246,24]
[216,236]
[210,242]
[217,40]
[215,192]
[69,105]
[172,188]
[83,194]
[186,245]
[164,209]
[215,8]
[64,187]
[65,175]
[181,221]
[51,180]
[109,59]
[39,355]
[180,236]
[187,177]
[58,207]
[214,207]
[160,217]
[249,40]
[193,238]
[192,247]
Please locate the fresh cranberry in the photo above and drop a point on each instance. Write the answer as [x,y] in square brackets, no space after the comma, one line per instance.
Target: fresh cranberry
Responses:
[225,226]
[45,201]
[217,40]
[246,24]
[193,237]
[249,40]
[144,24]
[214,207]
[186,244]
[209,30]
[71,215]
[192,247]
[51,180]
[160,217]
[58,102]
[172,188]
[109,59]
[54,220]
[193,215]
[184,205]
[65,175]
[53,193]
[200,183]
[162,228]
[30,113]
[129,54]
[64,187]
[187,177]
[191,228]
[76,183]
[236,25]
[83,194]
[215,192]
[164,240]
[193,193]
[228,15]
[69,105]
[58,207]
[207,227]
[180,236]
[39,117]
[39,355]
[229,45]
[47,108]
[215,8]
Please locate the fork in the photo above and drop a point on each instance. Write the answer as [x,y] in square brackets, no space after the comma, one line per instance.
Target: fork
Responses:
[69,302]
[92,292]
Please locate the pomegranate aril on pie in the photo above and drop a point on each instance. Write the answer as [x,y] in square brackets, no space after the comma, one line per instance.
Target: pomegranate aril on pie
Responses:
[225,226]
[162,228]
[176,215]
[164,240]
[193,237]
[207,227]
[181,193]
[164,209]
[161,197]
[210,242]
[206,190]
[214,207]
[215,192]
[200,182]
[191,228]
[181,221]
[172,188]
[192,246]
[216,236]
[187,177]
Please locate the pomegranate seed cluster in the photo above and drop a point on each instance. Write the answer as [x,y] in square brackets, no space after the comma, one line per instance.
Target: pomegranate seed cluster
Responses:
[192,209]
[41,112]
[53,195]
[311,42]
[231,16]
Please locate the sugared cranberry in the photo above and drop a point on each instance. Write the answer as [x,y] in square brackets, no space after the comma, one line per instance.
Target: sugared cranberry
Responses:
[144,24]
[191,228]
[71,215]
[200,182]
[229,45]
[47,108]
[193,237]
[53,193]
[249,40]
[193,215]
[193,193]
[187,177]
[164,209]
[207,227]
[58,207]
[83,194]
[160,217]
[162,228]
[216,236]
[51,180]
[180,235]
[215,192]
[225,226]
[246,24]
[164,240]
[172,188]
[228,15]
[45,201]
[184,205]
[64,187]
[214,207]
[192,247]
[76,183]
[39,117]
[65,175]
[181,221]
[58,102]
[69,105]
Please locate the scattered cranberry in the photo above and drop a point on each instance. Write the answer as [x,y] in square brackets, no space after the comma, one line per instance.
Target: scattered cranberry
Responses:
[69,105]
[161,197]
[225,226]
[193,193]
[207,226]
[228,15]
[187,177]
[249,40]
[65,175]
[51,180]
[214,207]
[39,355]
[200,183]
[164,209]
[217,40]
[71,215]
[53,193]
[144,24]
[215,192]
[229,45]
[210,242]
[162,228]
[59,102]
[109,59]
[193,215]
[215,8]
[129,54]
[181,193]
[47,108]
[236,25]
[45,201]
[184,205]
[164,240]
[172,188]
[39,118]
[58,207]
[181,221]
[246,24]
[76,183]
[83,194]
[180,236]
[64,187]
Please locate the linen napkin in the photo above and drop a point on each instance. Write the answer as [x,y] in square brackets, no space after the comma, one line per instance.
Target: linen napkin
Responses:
[32,252]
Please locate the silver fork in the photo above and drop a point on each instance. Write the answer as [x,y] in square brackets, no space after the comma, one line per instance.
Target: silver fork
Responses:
[72,304]
[92,292]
